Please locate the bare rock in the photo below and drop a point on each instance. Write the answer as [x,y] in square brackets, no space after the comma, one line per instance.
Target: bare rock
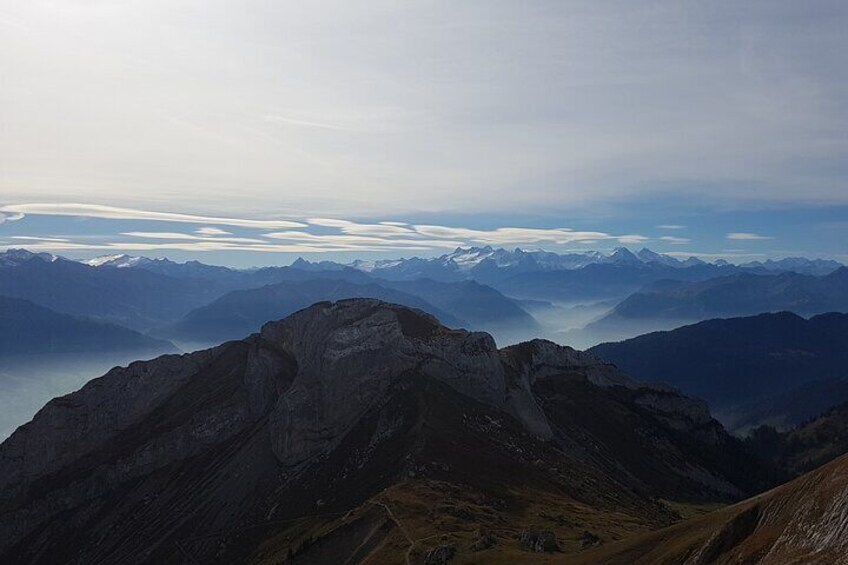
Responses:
[539,541]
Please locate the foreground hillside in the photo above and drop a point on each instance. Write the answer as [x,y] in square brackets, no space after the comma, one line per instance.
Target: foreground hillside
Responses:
[359,431]
[802,522]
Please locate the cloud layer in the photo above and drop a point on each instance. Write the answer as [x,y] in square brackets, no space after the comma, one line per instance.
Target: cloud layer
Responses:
[381,109]
[310,235]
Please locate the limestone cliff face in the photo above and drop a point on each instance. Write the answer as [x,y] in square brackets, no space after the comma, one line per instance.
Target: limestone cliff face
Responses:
[241,423]
[349,352]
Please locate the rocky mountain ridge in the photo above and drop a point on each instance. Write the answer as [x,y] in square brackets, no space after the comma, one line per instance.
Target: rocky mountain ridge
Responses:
[330,407]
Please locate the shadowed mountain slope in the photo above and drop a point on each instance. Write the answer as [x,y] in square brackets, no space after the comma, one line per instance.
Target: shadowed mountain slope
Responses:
[27,329]
[738,360]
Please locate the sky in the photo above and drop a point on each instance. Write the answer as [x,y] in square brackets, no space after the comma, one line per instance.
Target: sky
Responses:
[253,132]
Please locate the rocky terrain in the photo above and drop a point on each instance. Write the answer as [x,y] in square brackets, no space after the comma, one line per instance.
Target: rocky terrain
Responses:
[359,431]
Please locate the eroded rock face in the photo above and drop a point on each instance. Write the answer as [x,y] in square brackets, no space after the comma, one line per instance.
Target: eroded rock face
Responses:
[72,425]
[350,351]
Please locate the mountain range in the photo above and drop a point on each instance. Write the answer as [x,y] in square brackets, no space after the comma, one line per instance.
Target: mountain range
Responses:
[668,304]
[239,313]
[359,431]
[27,330]
[135,299]
[736,361]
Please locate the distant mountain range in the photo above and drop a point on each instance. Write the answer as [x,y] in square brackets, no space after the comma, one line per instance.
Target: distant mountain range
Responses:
[133,298]
[44,354]
[241,312]
[667,304]
[359,431]
[535,275]
[487,263]
[459,304]
[740,362]
[27,329]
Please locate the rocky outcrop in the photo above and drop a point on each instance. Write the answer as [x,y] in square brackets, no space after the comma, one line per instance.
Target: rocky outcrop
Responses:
[539,541]
[440,554]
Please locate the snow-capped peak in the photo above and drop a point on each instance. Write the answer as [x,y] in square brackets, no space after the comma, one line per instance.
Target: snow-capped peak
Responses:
[120,261]
[16,256]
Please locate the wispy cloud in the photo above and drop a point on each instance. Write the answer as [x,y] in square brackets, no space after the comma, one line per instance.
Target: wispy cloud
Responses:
[364,240]
[177,236]
[511,235]
[11,217]
[632,239]
[675,240]
[37,238]
[114,213]
[671,227]
[212,231]
[378,229]
[728,255]
[747,236]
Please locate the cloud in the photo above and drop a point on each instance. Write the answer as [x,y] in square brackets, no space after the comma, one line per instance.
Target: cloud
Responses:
[675,240]
[671,227]
[319,235]
[189,237]
[397,229]
[354,240]
[632,239]
[510,235]
[11,217]
[747,236]
[204,245]
[728,255]
[212,231]
[114,213]
[36,238]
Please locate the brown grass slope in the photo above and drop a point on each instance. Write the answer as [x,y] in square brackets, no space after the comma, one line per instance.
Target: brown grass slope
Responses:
[804,521]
